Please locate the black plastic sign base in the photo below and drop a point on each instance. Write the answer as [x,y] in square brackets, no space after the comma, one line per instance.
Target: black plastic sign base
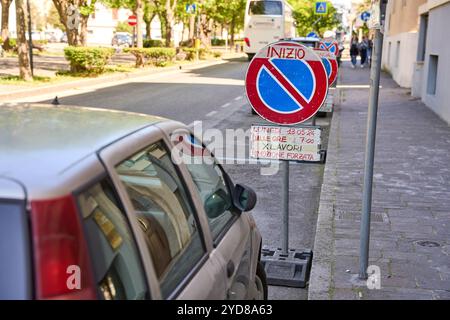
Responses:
[291,270]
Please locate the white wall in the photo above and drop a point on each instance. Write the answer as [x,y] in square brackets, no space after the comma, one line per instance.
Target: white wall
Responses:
[438,44]
[101,28]
[403,72]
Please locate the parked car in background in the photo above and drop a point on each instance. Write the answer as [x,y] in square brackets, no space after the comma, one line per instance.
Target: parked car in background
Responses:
[122,39]
[51,37]
[64,38]
[310,42]
[114,205]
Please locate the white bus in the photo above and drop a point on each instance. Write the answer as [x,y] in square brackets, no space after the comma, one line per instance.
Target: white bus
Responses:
[266,21]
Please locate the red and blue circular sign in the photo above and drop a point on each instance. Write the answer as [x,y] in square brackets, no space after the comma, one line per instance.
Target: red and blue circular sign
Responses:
[286,83]
[329,45]
[330,63]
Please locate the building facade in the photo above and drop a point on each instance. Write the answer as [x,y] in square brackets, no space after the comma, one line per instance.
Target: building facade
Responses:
[431,79]
[401,40]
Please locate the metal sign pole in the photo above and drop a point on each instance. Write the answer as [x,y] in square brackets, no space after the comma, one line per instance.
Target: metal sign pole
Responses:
[285,244]
[370,154]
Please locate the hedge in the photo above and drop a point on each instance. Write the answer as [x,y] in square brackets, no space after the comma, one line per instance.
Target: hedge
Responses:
[192,52]
[156,56]
[153,43]
[87,59]
[217,42]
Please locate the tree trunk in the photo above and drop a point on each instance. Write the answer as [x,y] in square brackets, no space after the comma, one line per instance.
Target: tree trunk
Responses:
[22,45]
[170,18]
[140,23]
[83,30]
[191,28]
[205,31]
[232,30]
[5,20]
[68,21]
[163,22]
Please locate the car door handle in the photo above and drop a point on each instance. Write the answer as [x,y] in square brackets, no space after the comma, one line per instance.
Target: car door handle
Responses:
[230,268]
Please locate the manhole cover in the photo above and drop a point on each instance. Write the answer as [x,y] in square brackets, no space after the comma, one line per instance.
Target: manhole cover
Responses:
[429,244]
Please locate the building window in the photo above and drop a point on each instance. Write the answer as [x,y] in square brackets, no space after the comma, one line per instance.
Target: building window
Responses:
[397,54]
[423,31]
[432,74]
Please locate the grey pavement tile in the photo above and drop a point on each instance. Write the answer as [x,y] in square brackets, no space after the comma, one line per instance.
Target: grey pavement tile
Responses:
[345,294]
[411,194]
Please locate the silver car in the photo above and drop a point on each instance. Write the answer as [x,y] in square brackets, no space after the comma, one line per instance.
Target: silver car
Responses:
[101,204]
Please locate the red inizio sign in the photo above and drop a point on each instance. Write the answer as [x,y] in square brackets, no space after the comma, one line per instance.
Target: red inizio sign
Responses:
[286,83]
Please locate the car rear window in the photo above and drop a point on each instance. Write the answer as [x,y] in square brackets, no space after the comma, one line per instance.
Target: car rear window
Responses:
[15,274]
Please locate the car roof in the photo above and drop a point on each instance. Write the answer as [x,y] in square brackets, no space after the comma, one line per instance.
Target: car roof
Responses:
[42,141]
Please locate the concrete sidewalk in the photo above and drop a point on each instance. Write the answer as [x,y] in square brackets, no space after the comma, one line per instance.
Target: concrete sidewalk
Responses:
[410,234]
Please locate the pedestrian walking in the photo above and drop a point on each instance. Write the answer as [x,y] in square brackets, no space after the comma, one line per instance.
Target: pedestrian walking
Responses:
[369,52]
[354,52]
[363,47]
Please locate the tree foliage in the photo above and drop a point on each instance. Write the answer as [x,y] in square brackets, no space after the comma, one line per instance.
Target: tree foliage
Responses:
[307,20]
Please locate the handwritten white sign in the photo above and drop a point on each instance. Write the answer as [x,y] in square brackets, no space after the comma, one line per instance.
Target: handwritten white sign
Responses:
[286,143]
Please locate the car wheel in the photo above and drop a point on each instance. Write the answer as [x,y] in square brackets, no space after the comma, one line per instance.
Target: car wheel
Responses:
[250,56]
[261,282]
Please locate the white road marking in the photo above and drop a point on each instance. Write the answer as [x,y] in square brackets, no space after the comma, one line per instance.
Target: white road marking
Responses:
[211,113]
[238,98]
[226,105]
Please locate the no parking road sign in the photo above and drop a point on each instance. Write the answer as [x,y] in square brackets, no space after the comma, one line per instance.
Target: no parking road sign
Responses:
[286,83]
[330,64]
[330,45]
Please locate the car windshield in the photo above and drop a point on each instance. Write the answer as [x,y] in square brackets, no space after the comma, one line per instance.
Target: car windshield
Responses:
[273,8]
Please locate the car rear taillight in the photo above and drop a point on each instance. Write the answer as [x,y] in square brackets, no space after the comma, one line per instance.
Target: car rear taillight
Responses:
[247,41]
[62,267]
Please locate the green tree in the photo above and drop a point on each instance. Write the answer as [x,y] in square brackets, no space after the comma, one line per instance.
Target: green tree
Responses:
[230,14]
[53,18]
[123,26]
[307,20]
[75,21]
[137,6]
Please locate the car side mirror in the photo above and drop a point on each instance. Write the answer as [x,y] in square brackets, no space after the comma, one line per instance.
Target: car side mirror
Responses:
[244,198]
[217,203]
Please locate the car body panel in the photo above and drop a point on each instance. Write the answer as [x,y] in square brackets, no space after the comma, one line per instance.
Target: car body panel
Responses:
[210,270]
[237,244]
[39,164]
[62,145]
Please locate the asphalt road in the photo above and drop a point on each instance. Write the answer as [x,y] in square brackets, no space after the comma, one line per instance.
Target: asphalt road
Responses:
[215,96]
[185,96]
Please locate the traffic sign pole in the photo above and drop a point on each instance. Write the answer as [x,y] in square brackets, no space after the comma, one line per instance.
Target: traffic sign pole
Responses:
[370,154]
[286,83]
[285,244]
